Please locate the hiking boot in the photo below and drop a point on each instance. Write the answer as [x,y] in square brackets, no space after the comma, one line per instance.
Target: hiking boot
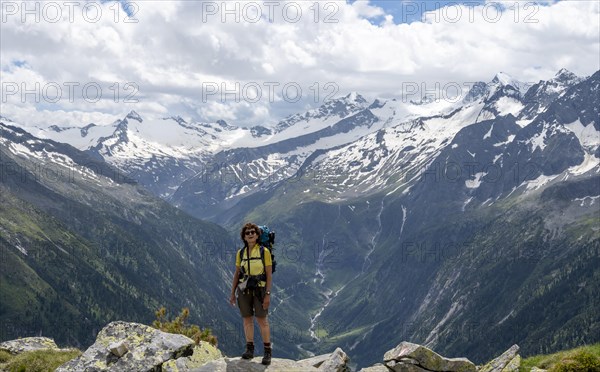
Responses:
[267,358]
[249,353]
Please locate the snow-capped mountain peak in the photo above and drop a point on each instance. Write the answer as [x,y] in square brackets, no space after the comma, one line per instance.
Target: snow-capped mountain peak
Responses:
[341,106]
[328,113]
[540,95]
[224,125]
[504,79]
[355,98]
[563,71]
[177,119]
[565,76]
[134,116]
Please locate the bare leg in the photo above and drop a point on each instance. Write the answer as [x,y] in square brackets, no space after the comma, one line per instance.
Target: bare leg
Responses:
[249,329]
[265,332]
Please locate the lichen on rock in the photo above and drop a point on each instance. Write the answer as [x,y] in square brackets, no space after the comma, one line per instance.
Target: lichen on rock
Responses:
[507,362]
[148,348]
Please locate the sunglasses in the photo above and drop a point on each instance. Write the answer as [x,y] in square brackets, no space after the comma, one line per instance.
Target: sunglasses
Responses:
[250,232]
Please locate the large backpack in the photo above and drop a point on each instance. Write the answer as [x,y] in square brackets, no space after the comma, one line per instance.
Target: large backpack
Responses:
[266,239]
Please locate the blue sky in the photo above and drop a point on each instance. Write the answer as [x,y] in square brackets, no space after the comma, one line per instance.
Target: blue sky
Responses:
[407,11]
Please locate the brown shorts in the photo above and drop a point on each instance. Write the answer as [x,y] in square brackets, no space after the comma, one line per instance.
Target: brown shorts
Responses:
[250,302]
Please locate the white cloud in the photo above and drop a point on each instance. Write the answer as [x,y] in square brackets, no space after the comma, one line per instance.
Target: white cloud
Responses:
[178,48]
[364,9]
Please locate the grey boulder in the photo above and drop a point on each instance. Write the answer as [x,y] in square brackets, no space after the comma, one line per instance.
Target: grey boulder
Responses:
[148,348]
[413,357]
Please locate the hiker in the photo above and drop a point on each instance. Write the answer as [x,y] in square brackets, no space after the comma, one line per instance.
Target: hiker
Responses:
[252,283]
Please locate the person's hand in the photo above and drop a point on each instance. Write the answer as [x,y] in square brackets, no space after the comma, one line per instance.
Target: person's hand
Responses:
[266,302]
[232,299]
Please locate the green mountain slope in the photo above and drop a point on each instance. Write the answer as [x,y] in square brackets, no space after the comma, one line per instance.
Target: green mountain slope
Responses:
[81,245]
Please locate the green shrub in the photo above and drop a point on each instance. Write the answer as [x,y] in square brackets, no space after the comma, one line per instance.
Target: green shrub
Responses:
[581,361]
[5,356]
[178,326]
[39,360]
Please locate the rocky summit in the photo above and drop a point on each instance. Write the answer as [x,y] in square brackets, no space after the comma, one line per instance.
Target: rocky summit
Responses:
[122,346]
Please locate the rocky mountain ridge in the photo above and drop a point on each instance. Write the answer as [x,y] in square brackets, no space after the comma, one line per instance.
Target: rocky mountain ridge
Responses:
[167,153]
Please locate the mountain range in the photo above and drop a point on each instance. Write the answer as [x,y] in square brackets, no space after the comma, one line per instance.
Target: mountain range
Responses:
[466,226]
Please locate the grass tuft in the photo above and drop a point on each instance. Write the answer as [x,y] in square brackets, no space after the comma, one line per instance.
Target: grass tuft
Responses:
[581,359]
[36,361]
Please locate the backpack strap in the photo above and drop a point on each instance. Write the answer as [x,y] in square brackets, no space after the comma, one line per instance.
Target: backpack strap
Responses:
[246,273]
[248,254]
[248,259]
[263,276]
[241,256]
[262,257]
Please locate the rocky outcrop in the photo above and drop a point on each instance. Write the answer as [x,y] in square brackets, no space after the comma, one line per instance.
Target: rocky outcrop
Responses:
[412,357]
[146,349]
[122,346]
[28,344]
[509,361]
